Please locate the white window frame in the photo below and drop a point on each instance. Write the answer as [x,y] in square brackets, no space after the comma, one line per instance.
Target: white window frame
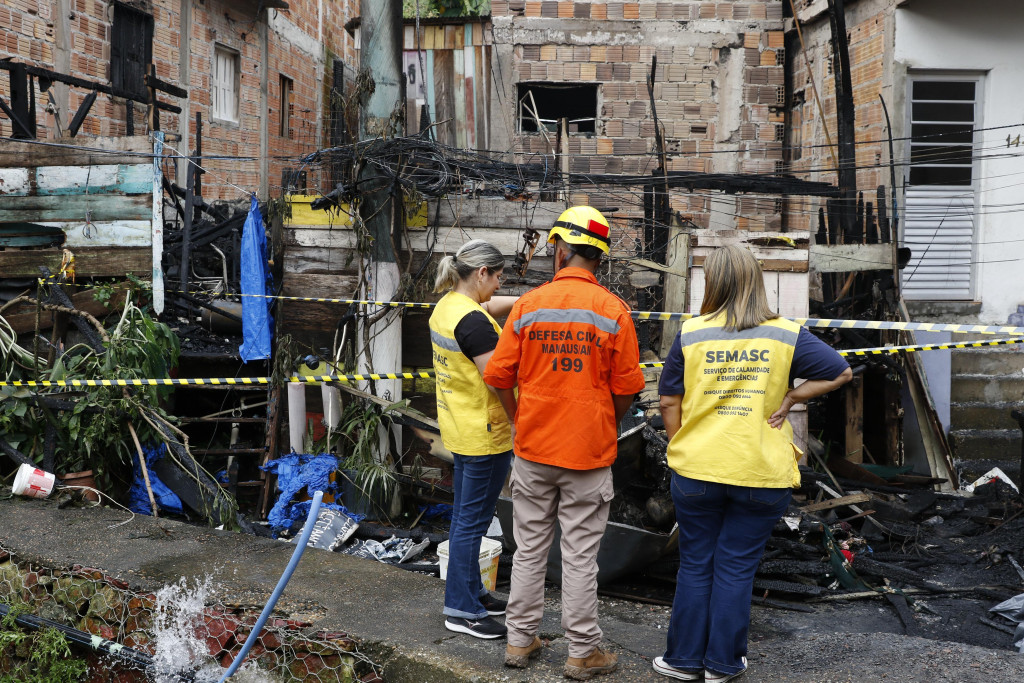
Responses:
[978,78]
[224,84]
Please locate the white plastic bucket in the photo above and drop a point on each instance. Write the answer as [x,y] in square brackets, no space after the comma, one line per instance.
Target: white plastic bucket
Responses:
[33,482]
[490,550]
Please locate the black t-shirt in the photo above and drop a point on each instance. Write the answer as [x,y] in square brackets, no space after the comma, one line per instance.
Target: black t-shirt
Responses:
[475,335]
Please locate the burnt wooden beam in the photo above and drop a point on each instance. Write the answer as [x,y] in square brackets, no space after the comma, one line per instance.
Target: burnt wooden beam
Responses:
[83,111]
[845,134]
[163,86]
[15,119]
[104,88]
[59,296]
[14,454]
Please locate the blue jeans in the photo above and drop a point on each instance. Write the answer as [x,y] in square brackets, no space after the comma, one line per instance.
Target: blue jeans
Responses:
[477,481]
[722,533]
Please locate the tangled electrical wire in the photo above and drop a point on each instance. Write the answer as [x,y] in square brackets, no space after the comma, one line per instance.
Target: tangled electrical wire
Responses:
[433,169]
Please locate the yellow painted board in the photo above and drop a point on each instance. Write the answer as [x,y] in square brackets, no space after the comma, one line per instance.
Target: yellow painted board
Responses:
[302,214]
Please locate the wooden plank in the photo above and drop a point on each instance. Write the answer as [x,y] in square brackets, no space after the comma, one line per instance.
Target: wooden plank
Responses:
[676,282]
[73,208]
[444,68]
[302,214]
[120,179]
[497,212]
[428,83]
[505,240]
[854,395]
[469,74]
[104,233]
[459,95]
[837,502]
[75,152]
[89,262]
[696,289]
[769,265]
[706,237]
[14,181]
[771,288]
[848,258]
[333,286]
[793,296]
[480,107]
[156,226]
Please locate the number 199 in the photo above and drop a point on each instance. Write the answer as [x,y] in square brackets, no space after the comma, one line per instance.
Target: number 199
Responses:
[567,365]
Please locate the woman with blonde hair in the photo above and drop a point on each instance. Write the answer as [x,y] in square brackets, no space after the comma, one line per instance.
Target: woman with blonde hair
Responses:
[474,427]
[726,390]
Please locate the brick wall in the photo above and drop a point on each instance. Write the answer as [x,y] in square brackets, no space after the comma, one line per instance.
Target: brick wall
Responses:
[28,34]
[717,91]
[808,155]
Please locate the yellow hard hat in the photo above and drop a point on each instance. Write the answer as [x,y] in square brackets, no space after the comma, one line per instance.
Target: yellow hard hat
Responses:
[582,225]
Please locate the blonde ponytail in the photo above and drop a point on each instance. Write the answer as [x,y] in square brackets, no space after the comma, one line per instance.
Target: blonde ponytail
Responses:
[471,256]
[447,275]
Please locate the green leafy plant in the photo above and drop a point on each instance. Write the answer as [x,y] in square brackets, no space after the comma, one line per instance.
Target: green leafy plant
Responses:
[48,660]
[93,434]
[362,448]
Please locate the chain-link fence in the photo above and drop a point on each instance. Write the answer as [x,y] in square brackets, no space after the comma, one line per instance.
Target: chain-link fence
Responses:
[173,635]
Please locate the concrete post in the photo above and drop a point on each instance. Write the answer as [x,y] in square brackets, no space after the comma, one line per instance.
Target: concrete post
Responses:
[380,116]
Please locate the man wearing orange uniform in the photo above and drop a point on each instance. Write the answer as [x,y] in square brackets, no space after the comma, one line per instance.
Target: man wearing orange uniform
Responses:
[571,348]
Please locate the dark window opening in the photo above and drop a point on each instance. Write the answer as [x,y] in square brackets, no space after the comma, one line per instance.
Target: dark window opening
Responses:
[286,107]
[131,49]
[550,102]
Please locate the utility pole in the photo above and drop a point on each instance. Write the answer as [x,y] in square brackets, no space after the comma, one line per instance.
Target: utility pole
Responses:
[381,116]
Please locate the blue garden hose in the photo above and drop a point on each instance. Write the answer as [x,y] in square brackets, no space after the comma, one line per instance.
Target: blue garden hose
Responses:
[300,547]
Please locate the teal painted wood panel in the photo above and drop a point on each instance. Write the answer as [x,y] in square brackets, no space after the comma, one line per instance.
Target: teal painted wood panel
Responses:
[121,179]
[69,208]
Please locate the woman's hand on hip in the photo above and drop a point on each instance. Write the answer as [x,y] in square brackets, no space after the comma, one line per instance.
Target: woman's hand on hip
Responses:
[779,416]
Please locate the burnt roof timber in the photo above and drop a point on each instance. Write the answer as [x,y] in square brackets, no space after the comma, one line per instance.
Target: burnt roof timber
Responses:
[39,72]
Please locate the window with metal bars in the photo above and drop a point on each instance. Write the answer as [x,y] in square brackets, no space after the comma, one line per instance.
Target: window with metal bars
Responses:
[942,118]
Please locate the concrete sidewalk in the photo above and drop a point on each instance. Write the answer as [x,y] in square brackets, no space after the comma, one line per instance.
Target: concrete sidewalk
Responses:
[395,616]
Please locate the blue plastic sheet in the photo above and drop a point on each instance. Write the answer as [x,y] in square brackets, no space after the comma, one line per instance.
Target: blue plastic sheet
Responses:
[138,498]
[295,472]
[256,319]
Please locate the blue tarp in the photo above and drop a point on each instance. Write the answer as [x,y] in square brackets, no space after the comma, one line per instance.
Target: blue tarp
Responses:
[138,498]
[256,320]
[295,472]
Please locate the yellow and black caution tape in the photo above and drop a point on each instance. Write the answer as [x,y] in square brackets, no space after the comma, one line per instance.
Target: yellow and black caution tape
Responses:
[217,381]
[367,302]
[860,324]
[427,374]
[661,316]
[882,350]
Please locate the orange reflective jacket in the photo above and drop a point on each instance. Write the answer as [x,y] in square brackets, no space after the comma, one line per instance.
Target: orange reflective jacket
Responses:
[569,345]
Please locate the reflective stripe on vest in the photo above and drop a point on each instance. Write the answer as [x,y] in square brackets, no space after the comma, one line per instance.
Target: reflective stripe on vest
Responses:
[471,418]
[734,381]
[567,315]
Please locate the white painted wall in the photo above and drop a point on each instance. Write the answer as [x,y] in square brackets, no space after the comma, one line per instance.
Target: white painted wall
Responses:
[983,37]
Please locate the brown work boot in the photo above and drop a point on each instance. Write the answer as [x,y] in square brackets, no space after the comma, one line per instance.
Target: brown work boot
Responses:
[519,657]
[596,663]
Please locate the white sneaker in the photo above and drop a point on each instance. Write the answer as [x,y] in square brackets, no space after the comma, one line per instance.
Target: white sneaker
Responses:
[672,672]
[715,677]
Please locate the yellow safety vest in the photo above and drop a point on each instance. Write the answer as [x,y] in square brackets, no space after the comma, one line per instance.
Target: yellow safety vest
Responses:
[733,382]
[470,415]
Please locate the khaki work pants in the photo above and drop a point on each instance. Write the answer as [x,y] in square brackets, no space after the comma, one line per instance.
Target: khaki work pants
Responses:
[579,500]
